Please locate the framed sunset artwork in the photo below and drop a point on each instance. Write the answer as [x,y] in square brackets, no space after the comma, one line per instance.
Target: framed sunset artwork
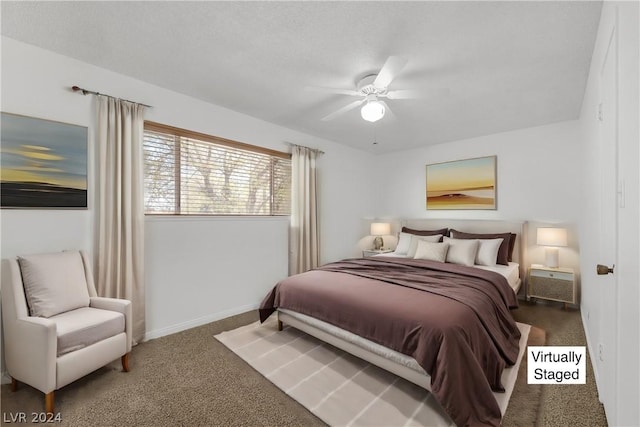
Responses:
[43,164]
[462,184]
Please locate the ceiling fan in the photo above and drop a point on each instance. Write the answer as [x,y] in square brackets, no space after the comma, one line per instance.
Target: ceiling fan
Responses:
[370,89]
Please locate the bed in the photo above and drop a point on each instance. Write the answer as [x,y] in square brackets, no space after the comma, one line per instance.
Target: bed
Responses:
[443,326]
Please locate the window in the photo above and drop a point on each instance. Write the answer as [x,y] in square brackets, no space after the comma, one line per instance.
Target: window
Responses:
[188,173]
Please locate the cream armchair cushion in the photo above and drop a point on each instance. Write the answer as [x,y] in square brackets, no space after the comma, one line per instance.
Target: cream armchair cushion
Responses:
[80,328]
[54,283]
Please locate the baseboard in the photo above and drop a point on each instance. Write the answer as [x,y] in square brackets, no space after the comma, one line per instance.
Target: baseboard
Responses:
[150,335]
[6,378]
[592,353]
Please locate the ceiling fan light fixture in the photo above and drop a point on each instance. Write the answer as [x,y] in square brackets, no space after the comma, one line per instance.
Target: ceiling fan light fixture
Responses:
[372,111]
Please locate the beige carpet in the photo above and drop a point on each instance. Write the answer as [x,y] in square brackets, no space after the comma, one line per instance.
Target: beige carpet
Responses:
[339,388]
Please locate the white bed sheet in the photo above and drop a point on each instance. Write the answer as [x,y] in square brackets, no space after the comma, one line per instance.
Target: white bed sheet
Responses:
[511,272]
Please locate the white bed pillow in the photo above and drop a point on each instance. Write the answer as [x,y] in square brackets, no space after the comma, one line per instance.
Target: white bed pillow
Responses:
[461,251]
[413,246]
[404,241]
[54,283]
[488,251]
[432,251]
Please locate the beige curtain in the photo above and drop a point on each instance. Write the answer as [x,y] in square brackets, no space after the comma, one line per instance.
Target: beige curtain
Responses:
[120,266]
[304,250]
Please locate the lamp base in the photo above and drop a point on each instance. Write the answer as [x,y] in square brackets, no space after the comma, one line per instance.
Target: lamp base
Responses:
[378,243]
[551,257]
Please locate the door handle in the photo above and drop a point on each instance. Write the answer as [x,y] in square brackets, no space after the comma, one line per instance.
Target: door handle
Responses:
[603,269]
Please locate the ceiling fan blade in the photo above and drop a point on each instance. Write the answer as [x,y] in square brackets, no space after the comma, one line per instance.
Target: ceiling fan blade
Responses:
[344,109]
[404,94]
[389,71]
[417,94]
[332,90]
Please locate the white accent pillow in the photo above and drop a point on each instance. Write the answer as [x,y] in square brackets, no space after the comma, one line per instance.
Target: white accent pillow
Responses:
[461,251]
[488,251]
[404,240]
[432,251]
[54,283]
[413,246]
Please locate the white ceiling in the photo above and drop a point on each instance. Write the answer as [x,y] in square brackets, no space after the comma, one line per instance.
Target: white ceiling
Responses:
[507,65]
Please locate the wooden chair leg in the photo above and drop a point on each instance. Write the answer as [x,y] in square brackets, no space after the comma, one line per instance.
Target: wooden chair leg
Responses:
[279,325]
[48,403]
[125,362]
[14,384]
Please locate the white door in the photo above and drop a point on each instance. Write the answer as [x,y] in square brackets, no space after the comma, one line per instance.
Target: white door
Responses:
[608,229]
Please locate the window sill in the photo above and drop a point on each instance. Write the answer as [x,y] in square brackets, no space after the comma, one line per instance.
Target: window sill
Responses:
[193,218]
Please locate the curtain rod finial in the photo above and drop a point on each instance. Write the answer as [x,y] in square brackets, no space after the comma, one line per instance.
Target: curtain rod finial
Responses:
[76,89]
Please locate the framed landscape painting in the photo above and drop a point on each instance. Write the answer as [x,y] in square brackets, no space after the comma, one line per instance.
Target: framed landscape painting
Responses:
[43,164]
[462,184]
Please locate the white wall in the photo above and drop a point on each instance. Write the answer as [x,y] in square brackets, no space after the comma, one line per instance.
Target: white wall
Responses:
[538,175]
[201,269]
[627,382]
[198,269]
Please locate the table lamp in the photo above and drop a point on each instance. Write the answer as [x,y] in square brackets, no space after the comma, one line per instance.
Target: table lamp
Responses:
[379,229]
[551,238]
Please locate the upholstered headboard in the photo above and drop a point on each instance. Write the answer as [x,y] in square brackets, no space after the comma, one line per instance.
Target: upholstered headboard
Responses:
[519,228]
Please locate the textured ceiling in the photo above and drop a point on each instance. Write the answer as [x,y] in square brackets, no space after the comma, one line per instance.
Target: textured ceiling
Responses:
[502,65]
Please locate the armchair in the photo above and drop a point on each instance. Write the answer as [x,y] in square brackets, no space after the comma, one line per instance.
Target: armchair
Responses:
[56,328]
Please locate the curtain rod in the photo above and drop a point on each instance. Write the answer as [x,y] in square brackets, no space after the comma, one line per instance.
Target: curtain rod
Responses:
[298,145]
[86,92]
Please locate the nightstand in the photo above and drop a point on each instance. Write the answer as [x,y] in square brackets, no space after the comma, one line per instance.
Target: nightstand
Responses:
[372,252]
[554,284]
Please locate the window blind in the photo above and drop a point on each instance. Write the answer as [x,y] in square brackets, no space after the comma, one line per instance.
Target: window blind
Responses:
[193,174]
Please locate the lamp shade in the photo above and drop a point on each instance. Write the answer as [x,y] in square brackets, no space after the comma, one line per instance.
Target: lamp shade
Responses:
[549,236]
[380,229]
[372,111]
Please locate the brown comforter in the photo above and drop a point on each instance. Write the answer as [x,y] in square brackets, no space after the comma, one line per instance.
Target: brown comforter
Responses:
[453,320]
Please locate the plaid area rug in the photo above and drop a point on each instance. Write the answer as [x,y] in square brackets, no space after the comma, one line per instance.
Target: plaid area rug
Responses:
[339,388]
